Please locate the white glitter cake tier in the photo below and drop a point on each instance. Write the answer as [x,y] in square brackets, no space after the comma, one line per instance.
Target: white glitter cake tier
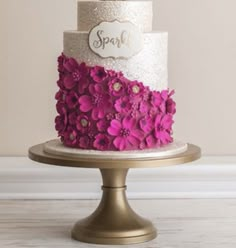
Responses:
[55,147]
[149,66]
[91,13]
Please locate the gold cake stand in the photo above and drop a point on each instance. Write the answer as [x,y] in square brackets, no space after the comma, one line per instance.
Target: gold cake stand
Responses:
[113,222]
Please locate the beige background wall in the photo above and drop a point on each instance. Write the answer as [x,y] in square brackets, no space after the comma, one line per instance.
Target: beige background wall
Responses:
[202,69]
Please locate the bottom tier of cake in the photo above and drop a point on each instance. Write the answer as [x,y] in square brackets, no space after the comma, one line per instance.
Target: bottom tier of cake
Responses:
[101,109]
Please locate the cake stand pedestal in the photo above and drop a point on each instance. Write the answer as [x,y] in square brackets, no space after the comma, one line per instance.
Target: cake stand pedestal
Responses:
[113,222]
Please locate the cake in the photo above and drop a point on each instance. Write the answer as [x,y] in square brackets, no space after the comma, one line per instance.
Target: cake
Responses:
[113,81]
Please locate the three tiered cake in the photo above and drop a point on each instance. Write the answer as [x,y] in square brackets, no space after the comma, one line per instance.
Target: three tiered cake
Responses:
[113,80]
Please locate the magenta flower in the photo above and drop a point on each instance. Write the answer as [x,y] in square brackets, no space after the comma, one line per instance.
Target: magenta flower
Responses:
[61,60]
[156,99]
[123,105]
[75,73]
[114,74]
[84,142]
[163,128]
[98,74]
[72,100]
[146,124]
[101,142]
[144,107]
[72,118]
[61,123]
[116,87]
[127,136]
[61,108]
[102,125]
[136,90]
[97,102]
[110,116]
[82,123]
[60,95]
[151,141]
[170,106]
[70,137]
[83,85]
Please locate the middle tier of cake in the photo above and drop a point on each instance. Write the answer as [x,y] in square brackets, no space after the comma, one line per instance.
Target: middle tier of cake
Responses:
[149,66]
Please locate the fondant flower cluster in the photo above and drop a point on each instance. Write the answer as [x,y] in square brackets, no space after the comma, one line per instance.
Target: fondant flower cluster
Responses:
[103,110]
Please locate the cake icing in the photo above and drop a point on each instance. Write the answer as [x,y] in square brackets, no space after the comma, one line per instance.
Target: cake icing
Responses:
[149,65]
[90,13]
[114,103]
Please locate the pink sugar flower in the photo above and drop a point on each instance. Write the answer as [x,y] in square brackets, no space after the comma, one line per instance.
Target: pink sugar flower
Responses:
[101,142]
[170,106]
[102,125]
[72,118]
[84,142]
[75,73]
[116,87]
[97,102]
[144,107]
[82,123]
[61,60]
[146,124]
[163,127]
[136,89]
[60,95]
[82,85]
[126,133]
[156,99]
[61,108]
[60,83]
[110,116]
[70,137]
[123,105]
[114,74]
[72,100]
[61,123]
[151,141]
[98,74]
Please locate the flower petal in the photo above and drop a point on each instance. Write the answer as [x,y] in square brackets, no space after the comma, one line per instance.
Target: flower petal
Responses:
[114,128]
[120,143]
[137,134]
[86,103]
[129,122]
[69,82]
[133,141]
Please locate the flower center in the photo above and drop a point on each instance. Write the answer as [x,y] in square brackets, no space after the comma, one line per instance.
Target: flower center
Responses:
[117,86]
[74,99]
[136,89]
[124,132]
[160,127]
[102,142]
[84,122]
[76,75]
[100,74]
[123,105]
[72,137]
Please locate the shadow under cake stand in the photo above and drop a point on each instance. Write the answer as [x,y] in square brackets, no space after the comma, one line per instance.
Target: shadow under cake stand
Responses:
[114,221]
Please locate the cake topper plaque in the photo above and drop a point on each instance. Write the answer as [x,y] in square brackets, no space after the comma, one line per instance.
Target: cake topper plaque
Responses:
[116,39]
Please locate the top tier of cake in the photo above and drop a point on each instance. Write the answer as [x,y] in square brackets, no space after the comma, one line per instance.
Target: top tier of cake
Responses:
[146,64]
[91,13]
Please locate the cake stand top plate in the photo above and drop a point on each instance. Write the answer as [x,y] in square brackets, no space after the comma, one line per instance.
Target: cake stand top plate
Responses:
[38,154]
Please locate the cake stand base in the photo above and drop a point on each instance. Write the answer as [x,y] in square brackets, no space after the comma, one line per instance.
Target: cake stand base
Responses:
[114,221]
